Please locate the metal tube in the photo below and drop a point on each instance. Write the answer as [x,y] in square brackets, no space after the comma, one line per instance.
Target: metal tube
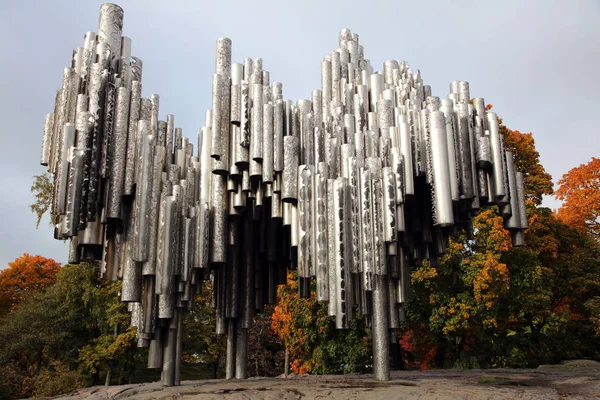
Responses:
[278,128]
[305,223]
[119,155]
[132,138]
[320,236]
[47,139]
[521,199]
[389,205]
[74,193]
[447,108]
[241,352]
[143,193]
[406,151]
[342,255]
[84,130]
[110,29]
[379,330]
[497,155]
[514,221]
[62,174]
[368,258]
[443,214]
[289,189]
[230,360]
[178,347]
[268,144]
[149,266]
[219,203]
[169,350]
[256,133]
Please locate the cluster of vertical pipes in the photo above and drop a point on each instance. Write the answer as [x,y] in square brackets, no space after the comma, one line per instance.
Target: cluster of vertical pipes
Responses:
[352,187]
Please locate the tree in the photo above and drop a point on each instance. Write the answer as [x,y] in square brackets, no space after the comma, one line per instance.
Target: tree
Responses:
[266,352]
[537,181]
[59,339]
[487,303]
[42,189]
[579,189]
[201,344]
[458,299]
[111,349]
[42,329]
[25,275]
[311,338]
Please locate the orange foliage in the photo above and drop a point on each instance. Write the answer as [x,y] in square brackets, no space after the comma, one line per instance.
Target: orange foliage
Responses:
[527,160]
[579,189]
[491,282]
[26,274]
[300,323]
[491,235]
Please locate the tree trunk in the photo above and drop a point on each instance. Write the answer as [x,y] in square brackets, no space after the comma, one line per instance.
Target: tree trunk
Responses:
[286,363]
[440,355]
[215,367]
[39,361]
[108,376]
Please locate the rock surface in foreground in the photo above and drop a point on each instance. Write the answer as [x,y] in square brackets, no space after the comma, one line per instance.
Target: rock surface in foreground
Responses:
[573,380]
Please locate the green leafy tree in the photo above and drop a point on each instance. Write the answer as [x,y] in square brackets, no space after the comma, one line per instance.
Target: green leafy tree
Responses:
[201,345]
[112,349]
[59,339]
[42,189]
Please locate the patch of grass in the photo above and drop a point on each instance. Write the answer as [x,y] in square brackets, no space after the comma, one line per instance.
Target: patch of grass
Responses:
[487,380]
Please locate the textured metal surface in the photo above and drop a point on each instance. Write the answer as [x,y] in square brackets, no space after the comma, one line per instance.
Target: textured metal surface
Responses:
[132,137]
[256,135]
[353,187]
[379,330]
[119,154]
[268,144]
[289,185]
[143,192]
[110,28]
[306,243]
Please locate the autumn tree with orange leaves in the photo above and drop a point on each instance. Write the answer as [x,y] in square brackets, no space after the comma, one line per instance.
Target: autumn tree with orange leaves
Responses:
[537,181]
[25,275]
[489,304]
[579,189]
[310,336]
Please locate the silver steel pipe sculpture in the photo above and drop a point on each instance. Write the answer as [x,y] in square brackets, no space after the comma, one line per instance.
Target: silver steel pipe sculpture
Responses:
[352,188]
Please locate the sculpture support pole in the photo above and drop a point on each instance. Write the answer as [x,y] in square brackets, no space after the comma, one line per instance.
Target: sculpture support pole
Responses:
[178,346]
[230,361]
[379,331]
[241,352]
[168,369]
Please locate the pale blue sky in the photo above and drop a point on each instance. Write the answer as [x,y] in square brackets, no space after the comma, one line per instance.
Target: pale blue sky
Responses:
[536,61]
